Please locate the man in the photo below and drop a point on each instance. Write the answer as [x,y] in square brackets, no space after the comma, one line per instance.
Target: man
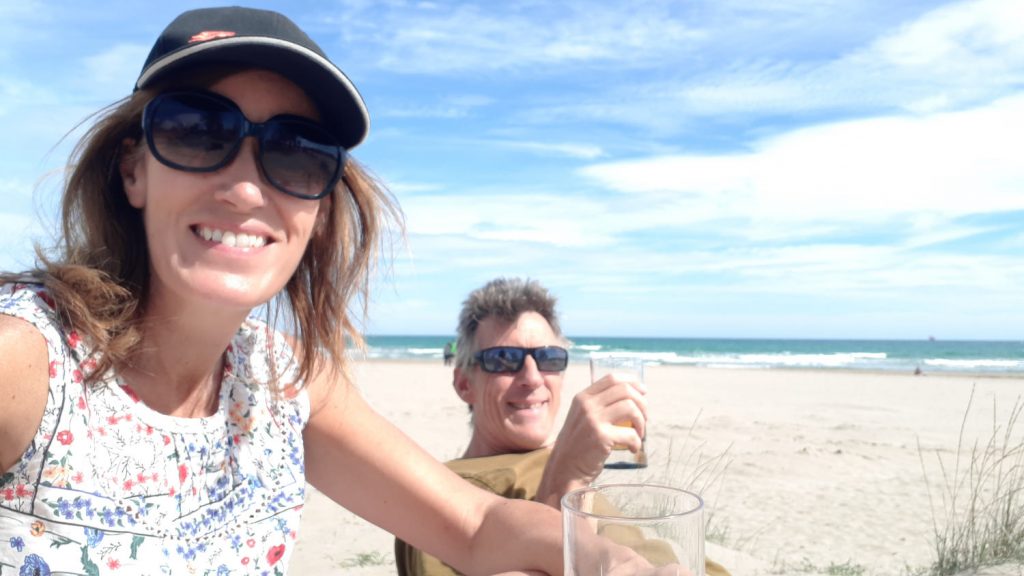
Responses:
[509,366]
[449,353]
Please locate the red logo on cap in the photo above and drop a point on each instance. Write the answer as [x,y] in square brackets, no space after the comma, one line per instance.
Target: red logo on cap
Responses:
[210,35]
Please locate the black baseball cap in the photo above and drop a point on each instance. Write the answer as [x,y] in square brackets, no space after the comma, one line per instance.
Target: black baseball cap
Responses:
[260,39]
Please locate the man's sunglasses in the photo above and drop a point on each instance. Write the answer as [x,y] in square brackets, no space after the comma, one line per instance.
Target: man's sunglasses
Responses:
[510,359]
[199,131]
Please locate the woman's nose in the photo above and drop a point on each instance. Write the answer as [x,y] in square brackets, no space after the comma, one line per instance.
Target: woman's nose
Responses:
[244,186]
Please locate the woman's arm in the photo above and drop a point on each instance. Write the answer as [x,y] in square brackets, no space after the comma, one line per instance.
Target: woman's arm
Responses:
[361,461]
[24,379]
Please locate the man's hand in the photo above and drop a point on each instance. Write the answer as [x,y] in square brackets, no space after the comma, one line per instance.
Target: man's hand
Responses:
[590,433]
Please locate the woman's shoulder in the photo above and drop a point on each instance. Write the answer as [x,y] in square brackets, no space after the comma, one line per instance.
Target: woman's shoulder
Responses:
[27,311]
[24,377]
[26,300]
[32,304]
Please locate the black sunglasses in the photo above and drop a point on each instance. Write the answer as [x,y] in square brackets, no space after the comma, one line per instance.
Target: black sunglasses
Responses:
[199,131]
[510,359]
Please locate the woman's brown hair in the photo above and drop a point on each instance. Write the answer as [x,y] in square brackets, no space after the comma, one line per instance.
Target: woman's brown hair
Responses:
[98,273]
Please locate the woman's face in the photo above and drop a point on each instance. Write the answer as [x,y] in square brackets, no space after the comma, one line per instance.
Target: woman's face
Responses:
[259,233]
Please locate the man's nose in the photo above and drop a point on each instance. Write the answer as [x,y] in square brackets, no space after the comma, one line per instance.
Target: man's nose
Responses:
[530,375]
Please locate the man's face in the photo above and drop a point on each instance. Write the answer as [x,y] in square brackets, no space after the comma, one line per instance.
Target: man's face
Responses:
[512,412]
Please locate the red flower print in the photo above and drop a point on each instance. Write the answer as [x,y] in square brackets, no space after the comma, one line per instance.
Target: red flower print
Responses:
[45,297]
[182,473]
[245,561]
[65,437]
[9,494]
[275,554]
[53,368]
[111,420]
[167,440]
[128,484]
[74,339]
[250,542]
[77,376]
[78,478]
[20,491]
[81,403]
[113,563]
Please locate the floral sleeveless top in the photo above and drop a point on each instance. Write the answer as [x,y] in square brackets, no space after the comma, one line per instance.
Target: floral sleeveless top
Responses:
[109,486]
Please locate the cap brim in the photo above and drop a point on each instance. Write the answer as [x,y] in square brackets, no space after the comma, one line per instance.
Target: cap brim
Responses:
[340,104]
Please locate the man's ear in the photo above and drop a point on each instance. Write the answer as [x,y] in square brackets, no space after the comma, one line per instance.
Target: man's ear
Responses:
[460,381]
[132,167]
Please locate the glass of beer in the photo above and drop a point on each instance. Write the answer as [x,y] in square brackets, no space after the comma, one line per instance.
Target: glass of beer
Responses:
[624,366]
[633,529]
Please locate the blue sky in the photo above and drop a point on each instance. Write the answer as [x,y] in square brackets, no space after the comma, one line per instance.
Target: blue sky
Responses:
[842,169]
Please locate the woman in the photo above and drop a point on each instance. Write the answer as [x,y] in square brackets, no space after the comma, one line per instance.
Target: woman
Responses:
[148,424]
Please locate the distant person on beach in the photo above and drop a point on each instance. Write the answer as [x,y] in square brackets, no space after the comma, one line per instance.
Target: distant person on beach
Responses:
[449,353]
[509,369]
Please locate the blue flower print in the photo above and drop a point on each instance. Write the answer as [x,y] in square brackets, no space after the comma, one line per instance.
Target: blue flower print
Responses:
[34,566]
[64,508]
[93,536]
[17,543]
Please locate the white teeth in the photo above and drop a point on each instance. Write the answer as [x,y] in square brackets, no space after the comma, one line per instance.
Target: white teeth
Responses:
[232,239]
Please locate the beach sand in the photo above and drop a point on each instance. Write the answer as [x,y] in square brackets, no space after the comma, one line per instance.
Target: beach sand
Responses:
[804,472]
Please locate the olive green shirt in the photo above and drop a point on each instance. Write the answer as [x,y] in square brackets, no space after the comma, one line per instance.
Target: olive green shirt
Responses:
[509,475]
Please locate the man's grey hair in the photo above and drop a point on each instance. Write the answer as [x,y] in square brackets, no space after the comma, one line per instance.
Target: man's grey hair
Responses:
[505,299]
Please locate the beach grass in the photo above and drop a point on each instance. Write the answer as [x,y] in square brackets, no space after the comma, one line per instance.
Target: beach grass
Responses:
[978,516]
[364,559]
[688,465]
[805,566]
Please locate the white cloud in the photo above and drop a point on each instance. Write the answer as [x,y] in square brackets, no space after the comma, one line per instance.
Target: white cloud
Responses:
[404,188]
[569,149]
[959,33]
[111,74]
[949,164]
[450,107]
[15,93]
[19,23]
[435,38]
[955,56]
[498,215]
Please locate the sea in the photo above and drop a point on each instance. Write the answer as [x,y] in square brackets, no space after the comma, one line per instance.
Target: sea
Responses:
[926,355]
